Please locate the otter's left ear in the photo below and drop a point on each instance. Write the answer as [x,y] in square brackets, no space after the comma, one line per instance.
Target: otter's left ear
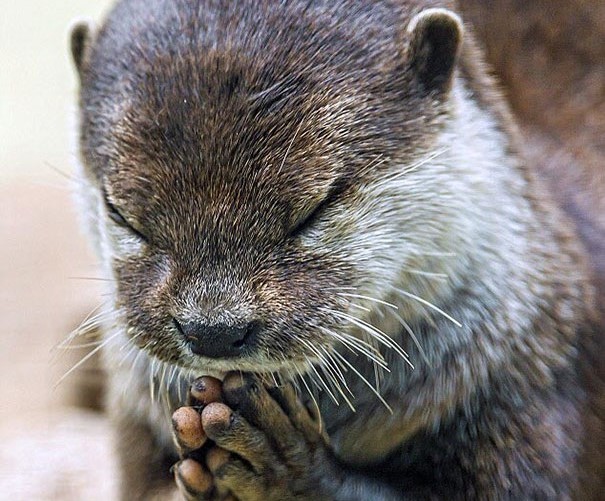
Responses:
[80,42]
[435,40]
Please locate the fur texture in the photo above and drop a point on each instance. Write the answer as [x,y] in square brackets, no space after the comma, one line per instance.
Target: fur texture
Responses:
[343,174]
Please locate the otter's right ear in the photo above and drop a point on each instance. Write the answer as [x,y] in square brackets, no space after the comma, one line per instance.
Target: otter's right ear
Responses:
[81,39]
[435,40]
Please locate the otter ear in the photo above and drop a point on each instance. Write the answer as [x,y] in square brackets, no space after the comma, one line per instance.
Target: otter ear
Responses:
[80,41]
[435,39]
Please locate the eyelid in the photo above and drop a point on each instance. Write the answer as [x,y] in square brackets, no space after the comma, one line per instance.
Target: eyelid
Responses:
[337,188]
[307,221]
[117,217]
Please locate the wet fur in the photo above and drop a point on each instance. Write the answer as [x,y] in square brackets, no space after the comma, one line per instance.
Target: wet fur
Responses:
[493,406]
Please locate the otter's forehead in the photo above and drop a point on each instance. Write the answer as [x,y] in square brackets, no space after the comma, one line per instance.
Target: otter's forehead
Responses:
[216,71]
[254,121]
[227,148]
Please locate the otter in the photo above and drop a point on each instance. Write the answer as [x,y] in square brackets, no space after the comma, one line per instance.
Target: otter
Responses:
[324,205]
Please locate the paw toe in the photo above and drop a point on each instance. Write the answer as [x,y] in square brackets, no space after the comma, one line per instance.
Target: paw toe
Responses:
[187,428]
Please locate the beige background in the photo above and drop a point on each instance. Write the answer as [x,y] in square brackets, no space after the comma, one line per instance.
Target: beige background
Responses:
[49,450]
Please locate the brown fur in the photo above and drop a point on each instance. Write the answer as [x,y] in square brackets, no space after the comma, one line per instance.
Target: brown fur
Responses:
[549,58]
[224,140]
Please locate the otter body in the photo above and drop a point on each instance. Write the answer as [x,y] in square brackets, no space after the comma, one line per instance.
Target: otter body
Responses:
[331,193]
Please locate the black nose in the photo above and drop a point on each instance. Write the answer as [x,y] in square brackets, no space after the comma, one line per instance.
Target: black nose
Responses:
[217,341]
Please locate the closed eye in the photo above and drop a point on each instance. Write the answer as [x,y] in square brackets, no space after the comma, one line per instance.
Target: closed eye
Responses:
[337,188]
[116,216]
[305,223]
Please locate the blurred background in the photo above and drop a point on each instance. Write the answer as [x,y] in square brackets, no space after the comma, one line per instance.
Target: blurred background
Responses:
[49,448]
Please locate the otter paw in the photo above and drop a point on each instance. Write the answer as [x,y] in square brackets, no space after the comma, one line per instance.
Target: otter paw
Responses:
[187,429]
[269,446]
[193,480]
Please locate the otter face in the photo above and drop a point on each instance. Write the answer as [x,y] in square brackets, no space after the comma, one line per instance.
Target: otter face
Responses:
[207,229]
[238,192]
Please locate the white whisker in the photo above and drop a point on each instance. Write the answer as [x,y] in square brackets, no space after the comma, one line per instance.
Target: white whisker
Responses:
[367,383]
[360,296]
[429,305]
[360,346]
[85,358]
[413,336]
[380,336]
[312,395]
[337,376]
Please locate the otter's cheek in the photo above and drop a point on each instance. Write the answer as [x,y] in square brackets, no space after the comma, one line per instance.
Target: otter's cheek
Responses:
[122,244]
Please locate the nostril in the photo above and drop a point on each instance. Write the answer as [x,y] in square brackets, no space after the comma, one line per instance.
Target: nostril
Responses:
[241,342]
[238,336]
[241,335]
[185,331]
[192,332]
[247,333]
[178,326]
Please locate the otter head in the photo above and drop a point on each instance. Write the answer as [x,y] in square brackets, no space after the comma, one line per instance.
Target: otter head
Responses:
[246,184]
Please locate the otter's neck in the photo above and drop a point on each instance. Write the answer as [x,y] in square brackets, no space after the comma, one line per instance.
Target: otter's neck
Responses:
[477,223]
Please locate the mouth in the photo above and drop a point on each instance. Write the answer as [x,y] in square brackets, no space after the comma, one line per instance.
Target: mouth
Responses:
[253,365]
[169,382]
